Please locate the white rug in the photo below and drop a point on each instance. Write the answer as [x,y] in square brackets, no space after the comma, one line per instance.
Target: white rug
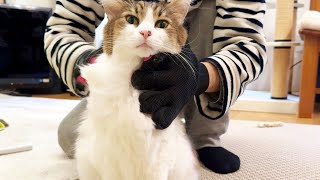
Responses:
[284,153]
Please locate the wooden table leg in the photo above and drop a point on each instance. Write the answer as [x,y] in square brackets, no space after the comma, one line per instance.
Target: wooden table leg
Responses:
[315,5]
[309,73]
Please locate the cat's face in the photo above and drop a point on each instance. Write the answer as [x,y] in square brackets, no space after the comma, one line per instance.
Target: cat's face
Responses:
[145,28]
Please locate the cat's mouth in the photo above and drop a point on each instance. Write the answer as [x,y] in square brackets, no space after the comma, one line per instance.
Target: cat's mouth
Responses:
[145,46]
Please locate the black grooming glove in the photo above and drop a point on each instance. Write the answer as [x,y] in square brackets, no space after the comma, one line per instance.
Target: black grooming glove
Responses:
[169,81]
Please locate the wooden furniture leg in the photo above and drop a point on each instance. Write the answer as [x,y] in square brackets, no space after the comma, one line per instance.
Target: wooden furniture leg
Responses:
[309,73]
[315,5]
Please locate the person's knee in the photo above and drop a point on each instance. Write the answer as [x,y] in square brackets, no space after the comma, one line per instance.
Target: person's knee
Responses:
[205,132]
[67,131]
[64,139]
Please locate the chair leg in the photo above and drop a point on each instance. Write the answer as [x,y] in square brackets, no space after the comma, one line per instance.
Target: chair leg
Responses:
[308,77]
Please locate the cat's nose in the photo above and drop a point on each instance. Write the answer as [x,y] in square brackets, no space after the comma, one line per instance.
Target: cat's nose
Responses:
[145,33]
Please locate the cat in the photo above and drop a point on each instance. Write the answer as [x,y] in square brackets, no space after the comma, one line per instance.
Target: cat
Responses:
[116,141]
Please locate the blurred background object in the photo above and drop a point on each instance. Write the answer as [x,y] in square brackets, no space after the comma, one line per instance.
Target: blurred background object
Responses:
[24,67]
[35,3]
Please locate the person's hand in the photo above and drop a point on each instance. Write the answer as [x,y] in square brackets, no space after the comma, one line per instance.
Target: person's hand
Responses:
[80,84]
[169,81]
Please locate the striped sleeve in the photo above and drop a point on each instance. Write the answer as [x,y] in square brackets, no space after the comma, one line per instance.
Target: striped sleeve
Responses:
[239,53]
[70,33]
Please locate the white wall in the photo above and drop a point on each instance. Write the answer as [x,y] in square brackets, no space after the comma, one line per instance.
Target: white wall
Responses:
[264,82]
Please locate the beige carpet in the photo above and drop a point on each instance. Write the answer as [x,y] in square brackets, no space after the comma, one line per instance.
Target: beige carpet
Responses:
[284,153]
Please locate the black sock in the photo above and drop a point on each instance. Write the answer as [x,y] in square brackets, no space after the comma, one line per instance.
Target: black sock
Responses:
[219,160]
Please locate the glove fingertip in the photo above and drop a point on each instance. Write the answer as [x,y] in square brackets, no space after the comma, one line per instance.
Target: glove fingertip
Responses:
[137,79]
[162,118]
[159,127]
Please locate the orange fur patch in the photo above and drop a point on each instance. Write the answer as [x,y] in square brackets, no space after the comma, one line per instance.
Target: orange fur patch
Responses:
[161,11]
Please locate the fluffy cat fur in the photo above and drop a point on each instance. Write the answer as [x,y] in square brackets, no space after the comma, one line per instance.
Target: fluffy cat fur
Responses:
[116,141]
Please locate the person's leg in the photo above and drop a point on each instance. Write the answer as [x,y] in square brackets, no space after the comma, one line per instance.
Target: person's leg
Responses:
[67,134]
[205,135]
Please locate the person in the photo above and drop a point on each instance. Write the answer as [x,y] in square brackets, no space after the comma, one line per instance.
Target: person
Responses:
[225,35]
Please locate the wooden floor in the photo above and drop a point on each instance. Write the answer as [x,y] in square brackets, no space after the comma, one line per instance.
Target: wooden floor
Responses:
[289,118]
[57,96]
[236,115]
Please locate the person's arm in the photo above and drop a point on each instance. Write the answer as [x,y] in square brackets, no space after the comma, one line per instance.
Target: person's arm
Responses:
[239,54]
[69,36]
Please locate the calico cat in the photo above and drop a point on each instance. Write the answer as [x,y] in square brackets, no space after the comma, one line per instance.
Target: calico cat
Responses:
[116,141]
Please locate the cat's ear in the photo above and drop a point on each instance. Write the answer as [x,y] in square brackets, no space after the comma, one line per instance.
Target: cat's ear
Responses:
[179,8]
[113,7]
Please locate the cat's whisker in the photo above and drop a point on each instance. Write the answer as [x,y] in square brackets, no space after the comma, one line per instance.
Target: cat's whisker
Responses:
[184,61]
[182,57]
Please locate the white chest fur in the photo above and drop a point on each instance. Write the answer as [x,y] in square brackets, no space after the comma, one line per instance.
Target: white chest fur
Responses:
[116,141]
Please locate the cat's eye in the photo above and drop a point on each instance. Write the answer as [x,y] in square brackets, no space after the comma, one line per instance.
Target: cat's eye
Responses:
[132,20]
[162,24]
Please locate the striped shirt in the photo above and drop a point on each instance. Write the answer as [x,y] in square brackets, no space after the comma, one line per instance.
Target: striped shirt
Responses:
[239,51]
